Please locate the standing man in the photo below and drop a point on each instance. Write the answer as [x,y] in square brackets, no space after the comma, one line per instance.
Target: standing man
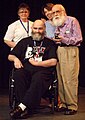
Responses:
[69,38]
[34,59]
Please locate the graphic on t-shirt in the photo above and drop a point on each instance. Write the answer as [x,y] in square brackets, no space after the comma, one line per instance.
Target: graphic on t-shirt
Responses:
[35,52]
[29,53]
[38,53]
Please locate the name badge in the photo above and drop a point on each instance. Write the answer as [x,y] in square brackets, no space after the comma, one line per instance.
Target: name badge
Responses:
[67,31]
[38,58]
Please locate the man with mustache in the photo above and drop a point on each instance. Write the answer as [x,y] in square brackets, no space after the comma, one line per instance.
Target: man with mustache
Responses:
[34,60]
[68,38]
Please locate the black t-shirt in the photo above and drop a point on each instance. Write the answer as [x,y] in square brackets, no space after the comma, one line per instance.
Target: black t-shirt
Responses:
[39,50]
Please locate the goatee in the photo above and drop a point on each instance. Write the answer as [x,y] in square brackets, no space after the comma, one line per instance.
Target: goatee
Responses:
[37,36]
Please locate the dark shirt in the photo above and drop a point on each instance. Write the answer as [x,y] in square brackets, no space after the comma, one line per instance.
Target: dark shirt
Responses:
[27,47]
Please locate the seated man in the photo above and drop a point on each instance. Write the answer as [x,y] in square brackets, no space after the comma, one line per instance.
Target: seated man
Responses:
[34,60]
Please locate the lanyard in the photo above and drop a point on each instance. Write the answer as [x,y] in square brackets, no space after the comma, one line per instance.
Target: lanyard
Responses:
[27,30]
[40,44]
[38,47]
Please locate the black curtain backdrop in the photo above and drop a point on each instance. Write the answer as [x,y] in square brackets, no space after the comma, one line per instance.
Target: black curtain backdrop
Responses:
[8,14]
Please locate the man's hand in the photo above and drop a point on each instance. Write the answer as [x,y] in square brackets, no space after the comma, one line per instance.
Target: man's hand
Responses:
[58,40]
[33,62]
[17,63]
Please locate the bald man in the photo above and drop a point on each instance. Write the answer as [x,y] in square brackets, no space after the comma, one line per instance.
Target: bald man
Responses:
[34,59]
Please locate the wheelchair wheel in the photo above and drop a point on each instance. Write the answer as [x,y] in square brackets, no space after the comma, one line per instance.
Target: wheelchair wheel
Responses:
[11,94]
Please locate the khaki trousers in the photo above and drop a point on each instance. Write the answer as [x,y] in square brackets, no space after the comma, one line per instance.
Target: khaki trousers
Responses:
[67,71]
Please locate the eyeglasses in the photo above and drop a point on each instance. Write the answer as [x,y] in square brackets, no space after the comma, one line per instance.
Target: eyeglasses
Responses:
[40,28]
[23,12]
[58,11]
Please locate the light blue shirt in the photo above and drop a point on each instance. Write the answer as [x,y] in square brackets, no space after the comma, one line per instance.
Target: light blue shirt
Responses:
[50,29]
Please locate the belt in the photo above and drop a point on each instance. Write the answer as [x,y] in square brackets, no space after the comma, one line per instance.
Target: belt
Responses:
[64,45]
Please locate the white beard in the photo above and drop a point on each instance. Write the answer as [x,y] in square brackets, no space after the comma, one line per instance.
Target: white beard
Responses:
[58,21]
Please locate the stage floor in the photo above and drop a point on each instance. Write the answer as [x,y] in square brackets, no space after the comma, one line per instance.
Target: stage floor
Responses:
[44,115]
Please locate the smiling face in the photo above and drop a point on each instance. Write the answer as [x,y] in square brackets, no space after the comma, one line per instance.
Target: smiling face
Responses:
[23,14]
[47,10]
[48,13]
[38,30]
[59,15]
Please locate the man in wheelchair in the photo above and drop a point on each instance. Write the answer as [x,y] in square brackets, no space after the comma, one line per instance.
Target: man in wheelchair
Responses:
[34,60]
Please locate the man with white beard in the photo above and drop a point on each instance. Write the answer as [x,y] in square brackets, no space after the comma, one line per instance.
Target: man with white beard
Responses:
[35,59]
[69,38]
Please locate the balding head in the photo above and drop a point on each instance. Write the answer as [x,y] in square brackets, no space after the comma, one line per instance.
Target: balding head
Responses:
[58,7]
[39,23]
[38,30]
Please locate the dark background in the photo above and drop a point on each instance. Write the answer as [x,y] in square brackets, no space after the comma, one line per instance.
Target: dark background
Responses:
[8,14]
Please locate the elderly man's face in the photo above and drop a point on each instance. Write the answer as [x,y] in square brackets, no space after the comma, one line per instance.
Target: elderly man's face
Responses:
[59,16]
[38,30]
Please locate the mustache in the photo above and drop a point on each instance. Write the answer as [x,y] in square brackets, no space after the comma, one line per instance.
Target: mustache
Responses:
[37,35]
[33,33]
[56,17]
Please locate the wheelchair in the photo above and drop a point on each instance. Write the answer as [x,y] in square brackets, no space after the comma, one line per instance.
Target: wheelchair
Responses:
[51,93]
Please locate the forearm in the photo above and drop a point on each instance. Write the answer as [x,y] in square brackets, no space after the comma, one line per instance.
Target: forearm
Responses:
[10,43]
[12,57]
[72,40]
[45,63]
[17,62]
[48,63]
